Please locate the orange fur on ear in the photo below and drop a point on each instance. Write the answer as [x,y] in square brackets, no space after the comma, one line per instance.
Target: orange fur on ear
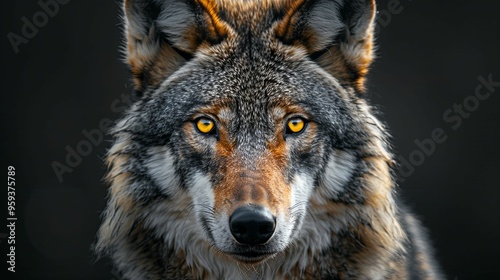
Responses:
[285,27]
[217,30]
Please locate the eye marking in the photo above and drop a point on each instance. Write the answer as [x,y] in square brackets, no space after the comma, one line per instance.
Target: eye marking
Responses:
[205,125]
[295,125]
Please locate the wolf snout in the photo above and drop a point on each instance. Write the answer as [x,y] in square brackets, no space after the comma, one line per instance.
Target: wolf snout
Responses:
[252,225]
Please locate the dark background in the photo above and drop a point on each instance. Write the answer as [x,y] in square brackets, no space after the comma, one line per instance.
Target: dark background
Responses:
[65,79]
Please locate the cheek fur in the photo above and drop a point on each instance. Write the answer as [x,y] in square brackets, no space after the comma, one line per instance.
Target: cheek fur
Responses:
[339,171]
[160,167]
[202,192]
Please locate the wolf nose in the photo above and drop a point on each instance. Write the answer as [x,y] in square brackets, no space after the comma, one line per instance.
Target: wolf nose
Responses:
[252,225]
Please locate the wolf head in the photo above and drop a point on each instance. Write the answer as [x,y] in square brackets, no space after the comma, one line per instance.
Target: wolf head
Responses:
[251,123]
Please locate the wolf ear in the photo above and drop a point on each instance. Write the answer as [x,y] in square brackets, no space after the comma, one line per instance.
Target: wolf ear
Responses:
[338,35]
[163,34]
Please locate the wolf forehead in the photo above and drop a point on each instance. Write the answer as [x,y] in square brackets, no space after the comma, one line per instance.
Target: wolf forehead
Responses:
[248,89]
[260,100]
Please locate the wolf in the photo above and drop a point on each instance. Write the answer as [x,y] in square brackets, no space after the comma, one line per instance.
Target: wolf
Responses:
[252,151]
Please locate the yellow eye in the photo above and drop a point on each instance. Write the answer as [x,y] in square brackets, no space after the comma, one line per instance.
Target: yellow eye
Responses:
[205,125]
[295,125]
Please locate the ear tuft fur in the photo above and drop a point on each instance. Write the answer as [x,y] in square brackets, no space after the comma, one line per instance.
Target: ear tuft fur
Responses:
[338,35]
[162,35]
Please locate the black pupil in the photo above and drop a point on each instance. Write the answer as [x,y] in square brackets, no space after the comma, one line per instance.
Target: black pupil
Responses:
[295,122]
[206,122]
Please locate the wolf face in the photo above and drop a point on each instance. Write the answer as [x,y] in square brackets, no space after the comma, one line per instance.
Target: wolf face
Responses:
[251,144]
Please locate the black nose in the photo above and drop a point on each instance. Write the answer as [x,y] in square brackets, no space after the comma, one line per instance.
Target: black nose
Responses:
[252,225]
